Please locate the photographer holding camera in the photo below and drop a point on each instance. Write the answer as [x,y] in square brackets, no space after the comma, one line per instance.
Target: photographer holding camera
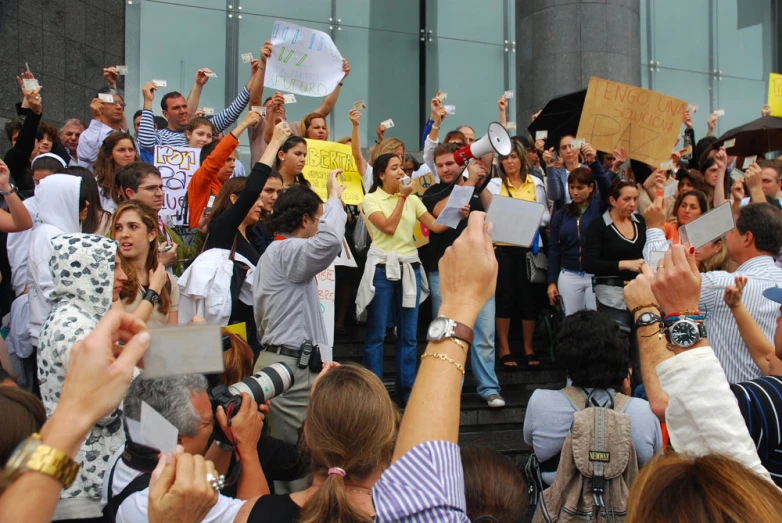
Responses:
[308,238]
[184,402]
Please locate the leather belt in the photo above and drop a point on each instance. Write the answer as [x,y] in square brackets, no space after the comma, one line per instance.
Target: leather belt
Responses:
[613,282]
[282,350]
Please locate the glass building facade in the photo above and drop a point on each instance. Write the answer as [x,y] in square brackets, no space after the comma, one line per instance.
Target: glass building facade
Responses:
[713,53]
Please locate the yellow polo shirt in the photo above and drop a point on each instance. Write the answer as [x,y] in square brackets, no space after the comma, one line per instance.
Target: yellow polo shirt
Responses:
[402,241]
[525,191]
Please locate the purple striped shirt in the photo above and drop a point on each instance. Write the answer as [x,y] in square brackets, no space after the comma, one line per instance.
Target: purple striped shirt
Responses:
[426,484]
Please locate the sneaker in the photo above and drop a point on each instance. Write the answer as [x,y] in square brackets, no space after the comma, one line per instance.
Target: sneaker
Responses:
[495,401]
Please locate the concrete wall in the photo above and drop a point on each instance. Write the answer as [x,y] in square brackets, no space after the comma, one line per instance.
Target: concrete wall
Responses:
[561,43]
[67,43]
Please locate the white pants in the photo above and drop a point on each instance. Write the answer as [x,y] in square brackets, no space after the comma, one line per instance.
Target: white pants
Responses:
[576,291]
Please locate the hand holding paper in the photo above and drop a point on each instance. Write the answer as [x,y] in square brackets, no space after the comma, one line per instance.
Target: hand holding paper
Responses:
[708,227]
[451,215]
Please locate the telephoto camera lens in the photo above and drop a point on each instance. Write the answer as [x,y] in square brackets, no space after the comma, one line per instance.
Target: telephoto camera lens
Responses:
[266,384]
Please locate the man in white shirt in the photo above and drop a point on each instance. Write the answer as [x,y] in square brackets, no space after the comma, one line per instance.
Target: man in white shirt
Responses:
[106,119]
[753,245]
[183,402]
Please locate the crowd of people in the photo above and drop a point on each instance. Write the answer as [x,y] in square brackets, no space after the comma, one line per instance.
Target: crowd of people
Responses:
[673,354]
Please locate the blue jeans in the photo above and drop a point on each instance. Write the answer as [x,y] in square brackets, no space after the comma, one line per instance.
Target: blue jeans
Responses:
[482,350]
[388,297]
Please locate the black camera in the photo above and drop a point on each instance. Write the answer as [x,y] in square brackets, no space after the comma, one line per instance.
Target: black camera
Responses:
[262,386]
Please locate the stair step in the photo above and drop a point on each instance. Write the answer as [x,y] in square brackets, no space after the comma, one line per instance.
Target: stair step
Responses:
[509,441]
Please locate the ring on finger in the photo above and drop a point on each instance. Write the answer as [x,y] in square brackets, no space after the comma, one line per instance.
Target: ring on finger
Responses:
[217,482]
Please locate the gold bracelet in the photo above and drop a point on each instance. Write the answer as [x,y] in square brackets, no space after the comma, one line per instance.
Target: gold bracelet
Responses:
[443,357]
[460,343]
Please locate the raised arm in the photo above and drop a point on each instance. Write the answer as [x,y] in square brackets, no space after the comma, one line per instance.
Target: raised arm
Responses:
[19,155]
[328,103]
[278,100]
[194,97]
[721,160]
[756,341]
[754,186]
[259,74]
[355,147]
[502,104]
[146,130]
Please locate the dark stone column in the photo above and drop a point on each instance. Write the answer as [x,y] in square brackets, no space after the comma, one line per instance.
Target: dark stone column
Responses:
[561,43]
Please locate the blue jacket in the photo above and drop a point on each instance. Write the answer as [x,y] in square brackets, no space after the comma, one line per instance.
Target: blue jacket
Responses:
[567,245]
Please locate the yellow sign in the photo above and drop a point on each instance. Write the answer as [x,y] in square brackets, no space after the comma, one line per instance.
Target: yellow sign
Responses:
[240,329]
[645,123]
[775,94]
[322,158]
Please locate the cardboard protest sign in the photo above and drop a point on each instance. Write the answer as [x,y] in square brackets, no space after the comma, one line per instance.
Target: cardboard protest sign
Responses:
[176,165]
[322,158]
[304,61]
[326,288]
[645,123]
[775,94]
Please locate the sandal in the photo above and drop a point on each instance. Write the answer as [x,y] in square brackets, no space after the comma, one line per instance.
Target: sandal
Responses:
[507,360]
[532,360]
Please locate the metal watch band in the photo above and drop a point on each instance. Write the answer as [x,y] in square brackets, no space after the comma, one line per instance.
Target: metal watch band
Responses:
[9,191]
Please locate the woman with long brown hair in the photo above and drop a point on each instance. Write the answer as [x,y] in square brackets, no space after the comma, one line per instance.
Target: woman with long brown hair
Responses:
[350,444]
[711,488]
[118,150]
[149,292]
[516,181]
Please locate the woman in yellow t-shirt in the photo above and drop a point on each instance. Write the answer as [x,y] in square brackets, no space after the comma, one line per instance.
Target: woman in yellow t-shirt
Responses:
[516,181]
[393,279]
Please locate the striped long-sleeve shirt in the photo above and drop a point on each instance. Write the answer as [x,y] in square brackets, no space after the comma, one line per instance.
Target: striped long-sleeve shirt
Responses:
[760,402]
[761,273]
[426,484]
[148,137]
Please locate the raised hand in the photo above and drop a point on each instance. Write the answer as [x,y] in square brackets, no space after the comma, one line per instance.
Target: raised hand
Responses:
[111,76]
[334,188]
[266,52]
[149,91]
[355,117]
[733,292]
[201,75]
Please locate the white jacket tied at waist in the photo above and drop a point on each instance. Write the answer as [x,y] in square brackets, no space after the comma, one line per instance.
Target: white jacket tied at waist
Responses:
[397,268]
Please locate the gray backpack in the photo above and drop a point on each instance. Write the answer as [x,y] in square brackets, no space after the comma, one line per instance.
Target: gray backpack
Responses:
[597,466]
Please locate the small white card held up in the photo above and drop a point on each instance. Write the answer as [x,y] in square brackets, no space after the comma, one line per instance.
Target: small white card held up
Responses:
[450,109]
[30,84]
[708,227]
[122,70]
[289,98]
[749,160]
[247,57]
[106,98]
[515,221]
[729,143]
[511,126]
[388,124]
[720,112]
[541,135]
[577,143]
[508,95]
[156,431]
[160,83]
[190,349]
[209,111]
[670,190]
[460,196]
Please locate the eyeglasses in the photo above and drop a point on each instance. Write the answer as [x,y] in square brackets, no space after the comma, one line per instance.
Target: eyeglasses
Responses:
[153,188]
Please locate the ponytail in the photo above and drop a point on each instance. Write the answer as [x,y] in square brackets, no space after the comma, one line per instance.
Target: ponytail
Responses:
[331,503]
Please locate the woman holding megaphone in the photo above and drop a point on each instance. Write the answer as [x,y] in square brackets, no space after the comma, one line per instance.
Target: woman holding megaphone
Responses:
[513,284]
[393,279]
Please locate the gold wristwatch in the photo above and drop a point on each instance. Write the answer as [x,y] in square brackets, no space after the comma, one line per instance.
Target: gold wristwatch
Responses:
[34,455]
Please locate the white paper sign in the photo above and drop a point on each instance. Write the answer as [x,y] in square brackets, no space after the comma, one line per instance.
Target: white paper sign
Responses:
[189,349]
[304,61]
[156,431]
[670,190]
[515,221]
[176,165]
[346,257]
[326,290]
[708,227]
[460,196]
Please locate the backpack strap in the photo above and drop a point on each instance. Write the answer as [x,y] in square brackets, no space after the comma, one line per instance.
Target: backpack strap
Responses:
[113,503]
[621,402]
[576,396]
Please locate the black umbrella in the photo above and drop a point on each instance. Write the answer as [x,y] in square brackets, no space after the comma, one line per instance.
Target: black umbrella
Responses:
[560,117]
[756,137]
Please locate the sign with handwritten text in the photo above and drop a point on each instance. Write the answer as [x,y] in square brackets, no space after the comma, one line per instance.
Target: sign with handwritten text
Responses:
[645,123]
[326,289]
[322,158]
[304,61]
[775,94]
[176,165]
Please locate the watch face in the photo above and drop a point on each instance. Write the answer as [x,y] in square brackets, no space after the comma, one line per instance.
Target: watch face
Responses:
[437,329]
[684,334]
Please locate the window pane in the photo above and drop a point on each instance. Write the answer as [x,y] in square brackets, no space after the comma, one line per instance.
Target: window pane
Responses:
[399,15]
[743,37]
[291,10]
[680,34]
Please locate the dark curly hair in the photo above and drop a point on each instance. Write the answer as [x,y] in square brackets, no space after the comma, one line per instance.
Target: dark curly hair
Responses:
[291,206]
[594,352]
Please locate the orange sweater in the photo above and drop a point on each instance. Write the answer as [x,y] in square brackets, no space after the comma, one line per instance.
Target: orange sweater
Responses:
[204,182]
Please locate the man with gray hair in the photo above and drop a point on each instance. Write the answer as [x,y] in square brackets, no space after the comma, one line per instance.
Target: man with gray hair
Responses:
[69,136]
[107,117]
[183,402]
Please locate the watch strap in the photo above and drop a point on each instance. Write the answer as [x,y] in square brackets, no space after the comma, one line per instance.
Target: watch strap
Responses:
[9,191]
[152,297]
[462,332]
[42,458]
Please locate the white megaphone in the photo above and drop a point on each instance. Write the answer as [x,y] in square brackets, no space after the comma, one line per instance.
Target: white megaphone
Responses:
[496,139]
